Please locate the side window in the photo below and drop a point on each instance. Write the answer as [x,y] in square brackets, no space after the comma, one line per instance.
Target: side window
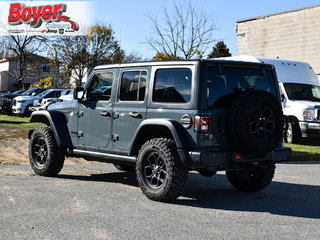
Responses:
[53,94]
[100,86]
[133,86]
[172,85]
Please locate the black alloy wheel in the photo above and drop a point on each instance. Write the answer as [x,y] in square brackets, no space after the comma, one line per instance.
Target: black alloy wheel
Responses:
[263,123]
[155,171]
[40,151]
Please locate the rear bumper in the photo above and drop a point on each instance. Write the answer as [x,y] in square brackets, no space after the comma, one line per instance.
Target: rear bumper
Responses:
[224,160]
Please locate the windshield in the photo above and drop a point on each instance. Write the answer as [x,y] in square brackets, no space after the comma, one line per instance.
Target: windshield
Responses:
[17,92]
[43,93]
[38,91]
[225,86]
[28,92]
[297,91]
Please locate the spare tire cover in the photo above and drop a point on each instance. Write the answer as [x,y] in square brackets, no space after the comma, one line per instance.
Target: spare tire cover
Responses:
[256,123]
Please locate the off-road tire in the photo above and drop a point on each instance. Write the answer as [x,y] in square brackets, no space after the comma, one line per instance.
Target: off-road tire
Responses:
[176,175]
[124,168]
[252,180]
[46,157]
[256,123]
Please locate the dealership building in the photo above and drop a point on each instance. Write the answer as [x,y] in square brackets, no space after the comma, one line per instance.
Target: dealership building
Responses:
[293,35]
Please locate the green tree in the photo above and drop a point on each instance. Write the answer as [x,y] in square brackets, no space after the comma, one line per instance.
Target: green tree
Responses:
[80,54]
[163,57]
[219,50]
[45,83]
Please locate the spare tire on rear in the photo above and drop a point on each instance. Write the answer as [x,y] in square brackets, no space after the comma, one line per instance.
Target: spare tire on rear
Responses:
[256,123]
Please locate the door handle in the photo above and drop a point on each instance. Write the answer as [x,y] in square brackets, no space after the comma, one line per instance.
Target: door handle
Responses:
[105,114]
[135,115]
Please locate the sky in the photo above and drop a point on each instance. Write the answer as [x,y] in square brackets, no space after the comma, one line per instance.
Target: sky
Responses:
[132,26]
[129,18]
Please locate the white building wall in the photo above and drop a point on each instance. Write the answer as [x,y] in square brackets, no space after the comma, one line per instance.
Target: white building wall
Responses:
[293,35]
[4,67]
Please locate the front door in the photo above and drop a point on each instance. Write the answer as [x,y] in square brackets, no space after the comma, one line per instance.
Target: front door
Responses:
[95,112]
[129,106]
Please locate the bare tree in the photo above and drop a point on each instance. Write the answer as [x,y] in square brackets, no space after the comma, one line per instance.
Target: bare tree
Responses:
[132,57]
[183,31]
[23,48]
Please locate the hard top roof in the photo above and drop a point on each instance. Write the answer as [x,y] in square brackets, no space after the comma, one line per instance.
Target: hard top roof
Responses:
[163,63]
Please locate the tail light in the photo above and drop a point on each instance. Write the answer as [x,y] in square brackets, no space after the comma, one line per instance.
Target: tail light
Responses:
[251,87]
[202,124]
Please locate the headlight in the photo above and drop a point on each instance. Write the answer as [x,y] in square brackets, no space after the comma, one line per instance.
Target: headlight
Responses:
[21,101]
[309,115]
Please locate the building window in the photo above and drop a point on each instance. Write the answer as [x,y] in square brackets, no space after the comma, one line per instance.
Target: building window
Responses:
[45,68]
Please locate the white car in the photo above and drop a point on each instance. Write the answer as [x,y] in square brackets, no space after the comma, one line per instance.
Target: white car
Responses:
[66,97]
[24,104]
[300,95]
[42,104]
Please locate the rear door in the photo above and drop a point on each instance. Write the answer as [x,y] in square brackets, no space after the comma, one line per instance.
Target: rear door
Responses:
[129,106]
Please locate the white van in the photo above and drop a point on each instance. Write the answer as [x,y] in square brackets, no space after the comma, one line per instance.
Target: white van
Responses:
[300,93]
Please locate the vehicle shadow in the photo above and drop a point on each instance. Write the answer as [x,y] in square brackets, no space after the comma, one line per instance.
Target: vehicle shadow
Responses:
[127,178]
[279,198]
[307,157]
[11,122]
[309,141]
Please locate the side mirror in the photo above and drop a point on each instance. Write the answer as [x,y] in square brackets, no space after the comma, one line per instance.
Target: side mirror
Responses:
[282,97]
[78,93]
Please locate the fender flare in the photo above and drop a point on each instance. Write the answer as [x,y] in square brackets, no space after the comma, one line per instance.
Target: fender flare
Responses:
[177,131]
[58,123]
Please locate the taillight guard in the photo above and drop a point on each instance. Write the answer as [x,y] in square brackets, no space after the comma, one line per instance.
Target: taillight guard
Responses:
[202,124]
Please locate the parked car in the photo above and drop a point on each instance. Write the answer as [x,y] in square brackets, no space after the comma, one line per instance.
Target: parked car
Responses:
[66,97]
[300,95]
[18,92]
[23,105]
[162,119]
[6,99]
[44,103]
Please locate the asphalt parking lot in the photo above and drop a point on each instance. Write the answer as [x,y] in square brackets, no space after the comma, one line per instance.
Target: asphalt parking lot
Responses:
[96,201]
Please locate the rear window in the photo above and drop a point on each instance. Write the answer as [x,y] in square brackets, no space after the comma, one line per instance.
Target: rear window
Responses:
[172,86]
[224,88]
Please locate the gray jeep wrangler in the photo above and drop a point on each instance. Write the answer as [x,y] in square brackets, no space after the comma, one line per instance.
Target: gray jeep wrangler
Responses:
[163,119]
